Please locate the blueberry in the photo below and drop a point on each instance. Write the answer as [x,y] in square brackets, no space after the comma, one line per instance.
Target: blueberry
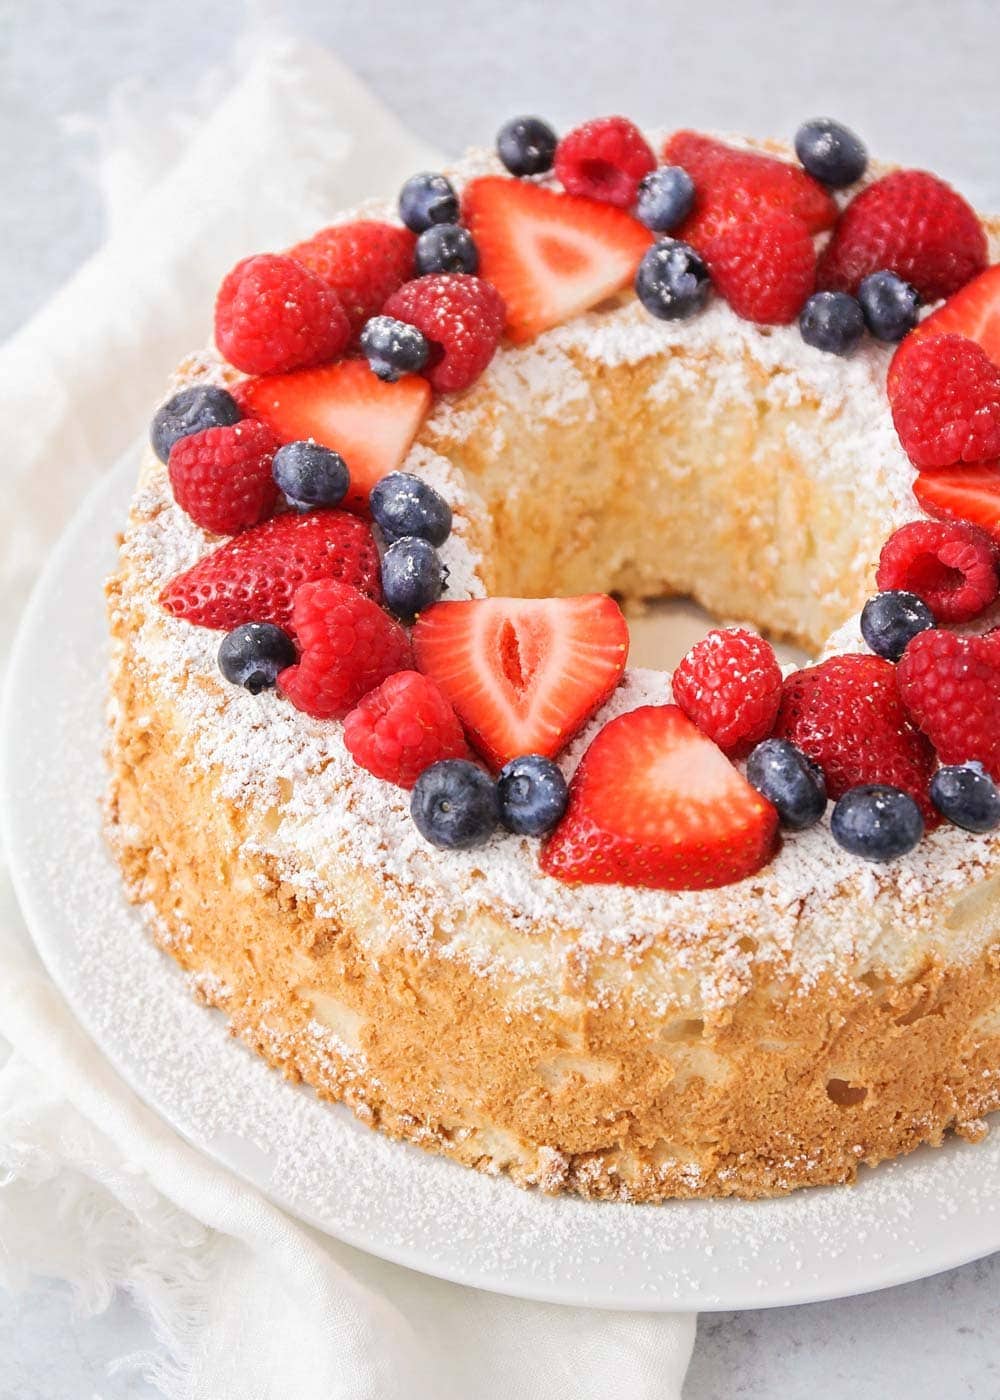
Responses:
[445,248]
[889,305]
[310,475]
[526,145]
[401,504]
[831,152]
[790,781]
[413,577]
[672,281]
[665,198]
[832,321]
[393,348]
[427,199]
[877,822]
[967,795]
[191,411]
[532,792]
[890,621]
[454,805]
[252,655]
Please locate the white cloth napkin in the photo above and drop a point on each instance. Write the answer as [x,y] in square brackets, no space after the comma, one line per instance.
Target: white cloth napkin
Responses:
[94,1188]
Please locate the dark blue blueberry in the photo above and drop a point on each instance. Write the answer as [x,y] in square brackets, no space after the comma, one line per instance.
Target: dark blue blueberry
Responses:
[445,248]
[527,145]
[454,805]
[877,822]
[889,305]
[413,577]
[427,199]
[672,281]
[832,321]
[665,198]
[253,655]
[967,795]
[790,781]
[401,504]
[310,475]
[890,621]
[831,152]
[190,411]
[532,793]
[393,348]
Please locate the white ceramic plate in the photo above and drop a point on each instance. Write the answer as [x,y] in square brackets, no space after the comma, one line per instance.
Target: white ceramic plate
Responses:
[907,1219]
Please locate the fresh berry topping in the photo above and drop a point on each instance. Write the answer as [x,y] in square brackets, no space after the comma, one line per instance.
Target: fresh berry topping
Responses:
[344,407]
[832,321]
[524,674]
[445,248]
[654,803]
[191,410]
[427,199]
[891,620]
[967,796]
[945,400]
[790,781]
[549,255]
[765,269]
[672,281]
[222,476]
[830,152]
[403,727]
[963,493]
[729,685]
[364,262]
[526,145]
[877,822]
[951,566]
[533,794]
[455,805]
[253,577]
[848,716]
[253,655]
[889,305]
[413,577]
[462,318]
[403,504]
[951,687]
[604,159]
[310,475]
[273,315]
[348,647]
[973,312]
[913,224]
[665,198]
[393,348]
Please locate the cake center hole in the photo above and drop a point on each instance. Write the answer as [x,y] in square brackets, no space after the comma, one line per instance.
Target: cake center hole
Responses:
[667,628]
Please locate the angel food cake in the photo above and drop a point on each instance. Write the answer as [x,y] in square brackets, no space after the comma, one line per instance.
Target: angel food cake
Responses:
[382,780]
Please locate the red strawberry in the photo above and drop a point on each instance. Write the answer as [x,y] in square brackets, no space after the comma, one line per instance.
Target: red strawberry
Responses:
[344,407]
[348,647]
[973,312]
[913,224]
[462,318]
[604,159]
[963,493]
[549,255]
[951,687]
[524,674]
[222,477]
[253,577]
[402,728]
[950,565]
[945,403]
[729,685]
[765,269]
[273,315]
[654,803]
[364,262]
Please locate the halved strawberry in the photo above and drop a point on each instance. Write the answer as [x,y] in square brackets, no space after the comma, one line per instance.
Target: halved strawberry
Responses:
[523,674]
[655,803]
[973,312]
[549,255]
[963,493]
[343,406]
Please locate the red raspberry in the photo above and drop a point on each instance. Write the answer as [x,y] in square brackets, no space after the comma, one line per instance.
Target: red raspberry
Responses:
[273,315]
[348,647]
[913,224]
[945,402]
[729,685]
[604,159]
[364,262]
[462,317]
[402,728]
[951,687]
[951,566]
[848,716]
[222,476]
[765,269]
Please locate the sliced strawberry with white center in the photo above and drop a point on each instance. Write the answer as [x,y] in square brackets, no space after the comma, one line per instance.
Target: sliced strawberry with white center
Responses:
[655,803]
[973,312]
[963,493]
[523,674]
[549,255]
